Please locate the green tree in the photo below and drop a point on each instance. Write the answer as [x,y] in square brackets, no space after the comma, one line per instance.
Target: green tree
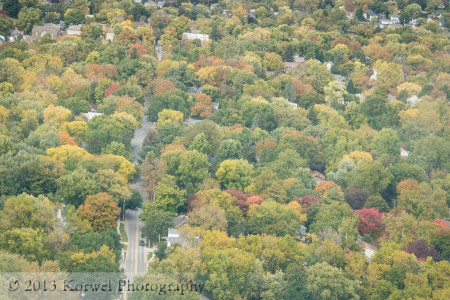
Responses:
[103,130]
[27,211]
[6,25]
[156,223]
[12,7]
[327,282]
[370,175]
[175,100]
[75,186]
[193,169]
[27,18]
[387,142]
[314,73]
[27,242]
[117,149]
[331,214]
[23,172]
[134,202]
[229,149]
[200,144]
[168,196]
[234,173]
[375,110]
[161,250]
[273,218]
[431,152]
[73,16]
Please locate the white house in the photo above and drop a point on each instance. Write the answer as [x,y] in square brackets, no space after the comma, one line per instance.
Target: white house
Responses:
[90,115]
[195,36]
[404,152]
[395,18]
[413,100]
[74,30]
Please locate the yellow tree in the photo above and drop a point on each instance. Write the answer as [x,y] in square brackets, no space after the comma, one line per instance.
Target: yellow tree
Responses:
[168,116]
[56,114]
[100,210]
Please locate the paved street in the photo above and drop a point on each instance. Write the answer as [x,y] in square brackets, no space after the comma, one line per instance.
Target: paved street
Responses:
[136,259]
[136,263]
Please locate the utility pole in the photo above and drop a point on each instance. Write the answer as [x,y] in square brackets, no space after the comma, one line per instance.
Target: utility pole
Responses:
[123,208]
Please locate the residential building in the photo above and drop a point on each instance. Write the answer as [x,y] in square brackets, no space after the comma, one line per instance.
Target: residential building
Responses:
[195,36]
[74,30]
[290,65]
[39,31]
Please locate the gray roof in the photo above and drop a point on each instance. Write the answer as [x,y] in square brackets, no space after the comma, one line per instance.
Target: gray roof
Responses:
[15,31]
[47,28]
[74,27]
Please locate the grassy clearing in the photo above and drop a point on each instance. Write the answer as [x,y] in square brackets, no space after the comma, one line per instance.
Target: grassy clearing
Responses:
[123,233]
[149,256]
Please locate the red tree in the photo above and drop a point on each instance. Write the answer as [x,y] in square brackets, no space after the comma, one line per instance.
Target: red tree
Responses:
[114,87]
[370,222]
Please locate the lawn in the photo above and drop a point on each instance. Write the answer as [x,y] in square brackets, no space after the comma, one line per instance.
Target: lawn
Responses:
[123,233]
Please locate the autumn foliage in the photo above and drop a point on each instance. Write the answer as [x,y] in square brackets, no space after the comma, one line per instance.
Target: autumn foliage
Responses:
[202,107]
[114,87]
[163,86]
[324,186]
[370,222]
[100,210]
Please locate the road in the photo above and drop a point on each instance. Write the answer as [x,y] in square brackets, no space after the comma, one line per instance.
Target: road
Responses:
[136,259]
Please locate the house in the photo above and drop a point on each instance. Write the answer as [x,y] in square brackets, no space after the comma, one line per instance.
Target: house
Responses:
[404,152]
[2,39]
[90,115]
[301,237]
[15,35]
[319,177]
[328,64]
[395,18]
[391,98]
[175,238]
[109,36]
[374,75]
[195,36]
[339,78]
[215,106]
[74,30]
[413,100]
[39,31]
[194,90]
[299,59]
[386,22]
[369,250]
[293,105]
[350,15]
[290,65]
[180,221]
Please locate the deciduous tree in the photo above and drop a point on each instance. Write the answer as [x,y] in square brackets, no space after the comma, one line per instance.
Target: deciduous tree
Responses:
[101,211]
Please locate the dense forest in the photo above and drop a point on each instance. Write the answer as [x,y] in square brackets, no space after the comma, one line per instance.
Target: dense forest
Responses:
[305,143]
